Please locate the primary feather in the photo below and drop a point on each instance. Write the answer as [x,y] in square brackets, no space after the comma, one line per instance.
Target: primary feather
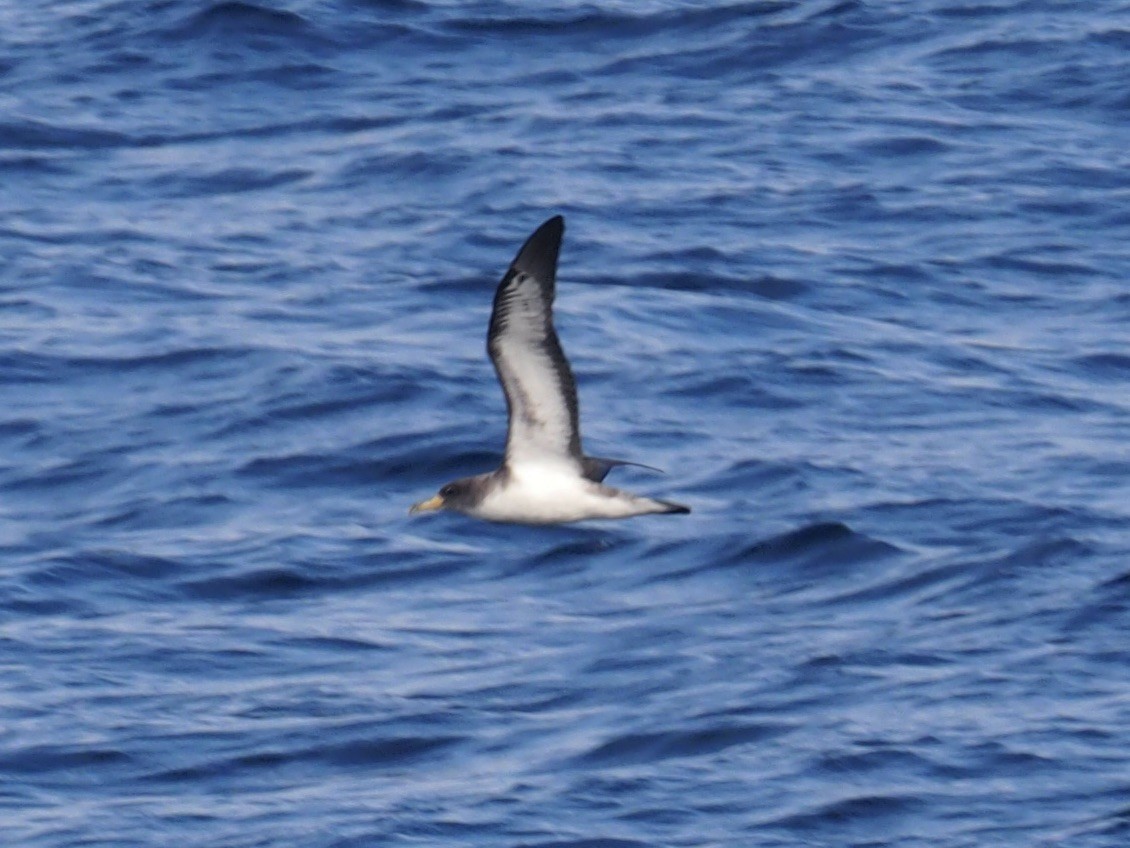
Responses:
[541,393]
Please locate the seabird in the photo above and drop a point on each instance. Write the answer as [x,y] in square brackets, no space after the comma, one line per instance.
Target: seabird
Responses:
[545,477]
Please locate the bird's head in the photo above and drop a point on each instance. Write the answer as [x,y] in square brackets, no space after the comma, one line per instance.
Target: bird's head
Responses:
[456,496]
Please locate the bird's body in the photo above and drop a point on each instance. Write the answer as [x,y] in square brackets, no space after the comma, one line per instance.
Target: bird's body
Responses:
[545,477]
[554,493]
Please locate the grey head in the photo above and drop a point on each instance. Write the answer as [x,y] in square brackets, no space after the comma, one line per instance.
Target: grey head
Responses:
[463,495]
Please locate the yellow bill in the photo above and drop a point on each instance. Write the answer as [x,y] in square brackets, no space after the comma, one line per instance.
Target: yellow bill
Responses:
[430,504]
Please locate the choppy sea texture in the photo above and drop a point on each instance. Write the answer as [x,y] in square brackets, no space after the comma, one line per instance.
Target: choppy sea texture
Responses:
[855,274]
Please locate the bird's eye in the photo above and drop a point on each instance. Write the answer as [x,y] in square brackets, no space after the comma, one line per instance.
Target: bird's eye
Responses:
[447,491]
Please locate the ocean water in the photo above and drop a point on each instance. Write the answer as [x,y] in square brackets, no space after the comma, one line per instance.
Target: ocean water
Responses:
[856,275]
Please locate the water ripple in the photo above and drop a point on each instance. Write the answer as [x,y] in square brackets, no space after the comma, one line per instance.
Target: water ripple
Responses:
[852,274]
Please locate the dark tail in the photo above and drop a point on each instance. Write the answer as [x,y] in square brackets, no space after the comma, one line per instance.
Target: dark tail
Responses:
[674,508]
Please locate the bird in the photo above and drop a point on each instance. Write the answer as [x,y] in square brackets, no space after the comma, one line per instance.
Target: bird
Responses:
[545,477]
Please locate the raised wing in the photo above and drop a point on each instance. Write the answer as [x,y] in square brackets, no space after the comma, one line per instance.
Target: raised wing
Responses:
[541,394]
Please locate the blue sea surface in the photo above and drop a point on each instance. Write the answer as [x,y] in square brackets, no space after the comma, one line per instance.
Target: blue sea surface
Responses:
[855,274]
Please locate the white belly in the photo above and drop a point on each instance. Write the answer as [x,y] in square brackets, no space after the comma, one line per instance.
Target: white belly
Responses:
[552,495]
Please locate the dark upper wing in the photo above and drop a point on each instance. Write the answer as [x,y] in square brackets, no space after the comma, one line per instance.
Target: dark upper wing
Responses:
[541,394]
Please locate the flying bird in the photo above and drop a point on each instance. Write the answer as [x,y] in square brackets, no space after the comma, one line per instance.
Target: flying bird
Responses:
[545,476]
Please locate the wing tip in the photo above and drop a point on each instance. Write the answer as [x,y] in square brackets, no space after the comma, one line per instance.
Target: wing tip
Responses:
[538,256]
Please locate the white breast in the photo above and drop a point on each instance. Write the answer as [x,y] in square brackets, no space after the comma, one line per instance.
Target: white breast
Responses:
[551,493]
